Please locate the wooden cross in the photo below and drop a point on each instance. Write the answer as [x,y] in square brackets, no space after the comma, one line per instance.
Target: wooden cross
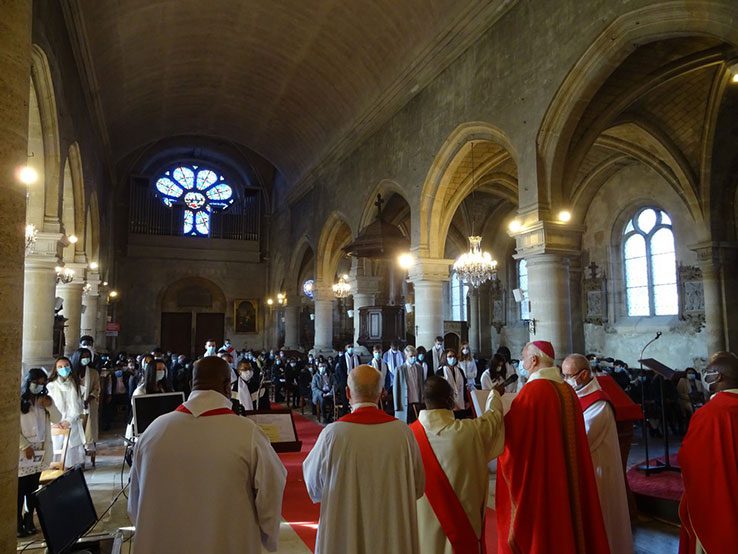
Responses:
[593,270]
[378,204]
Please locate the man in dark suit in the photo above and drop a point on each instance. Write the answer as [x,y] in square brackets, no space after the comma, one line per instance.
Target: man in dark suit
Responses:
[346,363]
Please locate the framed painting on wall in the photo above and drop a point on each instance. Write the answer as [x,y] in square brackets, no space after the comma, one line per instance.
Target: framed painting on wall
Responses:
[246,316]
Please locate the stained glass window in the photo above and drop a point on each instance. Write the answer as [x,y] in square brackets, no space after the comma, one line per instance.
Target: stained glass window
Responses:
[523,286]
[308,288]
[200,190]
[650,264]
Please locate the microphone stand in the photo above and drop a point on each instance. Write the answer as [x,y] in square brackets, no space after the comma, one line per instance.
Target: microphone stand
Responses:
[657,467]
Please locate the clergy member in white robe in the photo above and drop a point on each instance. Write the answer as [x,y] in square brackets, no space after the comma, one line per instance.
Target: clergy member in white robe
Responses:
[460,450]
[602,435]
[367,474]
[204,479]
[455,378]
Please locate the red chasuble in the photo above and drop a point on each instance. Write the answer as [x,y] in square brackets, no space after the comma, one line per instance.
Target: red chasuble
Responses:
[709,462]
[625,408]
[546,496]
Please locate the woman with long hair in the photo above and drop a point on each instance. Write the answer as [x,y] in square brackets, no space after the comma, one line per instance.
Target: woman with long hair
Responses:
[36,451]
[89,388]
[496,374]
[468,365]
[64,389]
[154,381]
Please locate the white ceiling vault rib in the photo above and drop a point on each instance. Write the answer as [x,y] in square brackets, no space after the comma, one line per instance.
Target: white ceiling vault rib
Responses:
[300,83]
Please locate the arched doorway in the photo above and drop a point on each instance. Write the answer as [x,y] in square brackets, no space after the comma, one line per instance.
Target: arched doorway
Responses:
[192,311]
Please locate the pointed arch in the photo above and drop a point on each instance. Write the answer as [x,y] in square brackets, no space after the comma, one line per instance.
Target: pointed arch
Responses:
[67,219]
[385,187]
[78,187]
[450,180]
[301,250]
[621,38]
[46,99]
[92,229]
[335,235]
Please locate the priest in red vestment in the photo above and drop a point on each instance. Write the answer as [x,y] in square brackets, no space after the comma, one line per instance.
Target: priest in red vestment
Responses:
[546,496]
[709,462]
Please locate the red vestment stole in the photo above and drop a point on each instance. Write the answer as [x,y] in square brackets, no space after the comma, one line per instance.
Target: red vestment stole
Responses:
[709,462]
[367,416]
[442,498]
[597,396]
[546,495]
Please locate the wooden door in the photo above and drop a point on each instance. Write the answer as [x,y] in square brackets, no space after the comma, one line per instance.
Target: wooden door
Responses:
[208,326]
[176,332]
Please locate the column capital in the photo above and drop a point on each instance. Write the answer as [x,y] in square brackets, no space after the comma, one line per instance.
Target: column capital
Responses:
[430,269]
[547,237]
[93,283]
[365,285]
[714,253]
[47,245]
[322,292]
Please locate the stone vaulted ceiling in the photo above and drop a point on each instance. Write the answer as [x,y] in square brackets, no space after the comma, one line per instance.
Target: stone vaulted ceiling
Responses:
[294,80]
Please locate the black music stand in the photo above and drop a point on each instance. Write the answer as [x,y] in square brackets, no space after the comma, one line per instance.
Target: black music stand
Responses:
[665,373]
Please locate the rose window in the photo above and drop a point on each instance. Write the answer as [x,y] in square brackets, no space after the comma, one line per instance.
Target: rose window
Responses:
[200,190]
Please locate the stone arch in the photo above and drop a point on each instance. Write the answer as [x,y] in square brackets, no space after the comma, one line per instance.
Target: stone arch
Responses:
[78,188]
[92,229]
[622,37]
[451,179]
[386,187]
[192,292]
[68,220]
[36,160]
[303,249]
[335,235]
[43,86]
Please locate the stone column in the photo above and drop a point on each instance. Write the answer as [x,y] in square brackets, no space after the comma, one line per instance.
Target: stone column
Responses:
[90,299]
[39,294]
[365,290]
[101,339]
[15,65]
[323,296]
[428,276]
[71,294]
[291,323]
[473,319]
[577,310]
[550,305]
[708,259]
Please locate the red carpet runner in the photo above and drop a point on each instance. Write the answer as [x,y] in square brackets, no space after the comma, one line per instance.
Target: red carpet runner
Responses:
[300,512]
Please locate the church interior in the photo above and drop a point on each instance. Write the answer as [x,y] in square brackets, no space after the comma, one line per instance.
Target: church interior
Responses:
[301,176]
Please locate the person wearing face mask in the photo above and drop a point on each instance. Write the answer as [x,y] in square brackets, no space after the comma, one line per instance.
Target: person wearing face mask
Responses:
[346,363]
[64,389]
[546,468]
[381,366]
[291,374]
[154,381]
[468,365]
[456,379]
[211,348]
[408,387]
[423,361]
[439,355]
[242,393]
[691,392]
[37,413]
[393,358]
[709,461]
[89,380]
[602,436]
[323,386]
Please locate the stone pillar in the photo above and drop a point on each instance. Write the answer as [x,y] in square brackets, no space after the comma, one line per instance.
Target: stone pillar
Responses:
[291,324]
[90,299]
[39,294]
[15,66]
[71,294]
[708,259]
[550,305]
[473,319]
[365,290]
[577,310]
[323,296]
[101,339]
[428,276]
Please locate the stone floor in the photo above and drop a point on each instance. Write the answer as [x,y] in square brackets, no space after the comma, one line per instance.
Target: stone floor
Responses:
[104,482]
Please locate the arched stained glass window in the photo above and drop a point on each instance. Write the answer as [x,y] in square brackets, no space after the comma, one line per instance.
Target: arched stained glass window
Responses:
[523,286]
[650,264]
[200,189]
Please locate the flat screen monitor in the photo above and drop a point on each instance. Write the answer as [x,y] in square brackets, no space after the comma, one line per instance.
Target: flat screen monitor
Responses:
[65,510]
[147,407]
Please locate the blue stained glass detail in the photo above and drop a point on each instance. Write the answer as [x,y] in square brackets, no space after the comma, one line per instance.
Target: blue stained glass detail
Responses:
[200,190]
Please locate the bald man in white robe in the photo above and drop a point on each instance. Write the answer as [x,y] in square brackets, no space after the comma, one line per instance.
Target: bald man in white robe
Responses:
[602,435]
[367,474]
[204,479]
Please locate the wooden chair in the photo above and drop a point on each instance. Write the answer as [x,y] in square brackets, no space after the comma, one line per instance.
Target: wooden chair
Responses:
[56,468]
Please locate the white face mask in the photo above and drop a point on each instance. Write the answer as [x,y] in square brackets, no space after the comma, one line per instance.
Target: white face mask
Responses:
[85,361]
[160,374]
[247,375]
[35,388]
[321,369]
[465,351]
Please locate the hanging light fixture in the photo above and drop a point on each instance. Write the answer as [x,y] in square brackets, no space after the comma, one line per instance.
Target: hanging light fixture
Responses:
[342,288]
[475,266]
[64,275]
[31,237]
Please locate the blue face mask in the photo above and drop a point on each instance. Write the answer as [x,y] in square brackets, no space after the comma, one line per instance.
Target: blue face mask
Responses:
[411,360]
[64,371]
[377,355]
[119,373]
[451,361]
[350,351]
[421,357]
[35,388]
